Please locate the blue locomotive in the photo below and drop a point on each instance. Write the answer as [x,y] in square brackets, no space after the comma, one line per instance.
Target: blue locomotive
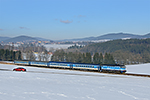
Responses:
[114,68]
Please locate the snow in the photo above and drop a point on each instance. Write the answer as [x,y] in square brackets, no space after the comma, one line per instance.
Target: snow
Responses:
[139,69]
[54,84]
[57,46]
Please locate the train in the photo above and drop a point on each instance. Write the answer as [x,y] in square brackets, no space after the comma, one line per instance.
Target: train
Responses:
[111,68]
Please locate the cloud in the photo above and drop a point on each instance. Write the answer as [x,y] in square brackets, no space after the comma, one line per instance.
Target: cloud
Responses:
[1,29]
[81,16]
[66,21]
[24,28]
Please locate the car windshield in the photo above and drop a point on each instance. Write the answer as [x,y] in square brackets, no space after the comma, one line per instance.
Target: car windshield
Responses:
[20,68]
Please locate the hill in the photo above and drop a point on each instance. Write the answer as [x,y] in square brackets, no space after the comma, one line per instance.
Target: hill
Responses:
[111,36]
[20,39]
[114,36]
[131,50]
[132,45]
[24,39]
[4,38]
[43,39]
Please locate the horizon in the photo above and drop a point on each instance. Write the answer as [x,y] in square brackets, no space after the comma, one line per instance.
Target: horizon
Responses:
[73,38]
[65,19]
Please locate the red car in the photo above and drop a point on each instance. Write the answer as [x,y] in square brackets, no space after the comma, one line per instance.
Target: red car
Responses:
[19,69]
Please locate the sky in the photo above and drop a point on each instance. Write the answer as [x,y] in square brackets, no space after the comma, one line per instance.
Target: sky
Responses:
[70,19]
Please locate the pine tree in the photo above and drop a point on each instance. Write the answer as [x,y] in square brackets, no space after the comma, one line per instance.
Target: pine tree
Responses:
[101,58]
[96,58]
[106,58]
[88,57]
[2,54]
[14,55]
[19,55]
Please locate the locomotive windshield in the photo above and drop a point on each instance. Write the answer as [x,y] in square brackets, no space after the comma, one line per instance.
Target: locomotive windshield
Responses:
[123,66]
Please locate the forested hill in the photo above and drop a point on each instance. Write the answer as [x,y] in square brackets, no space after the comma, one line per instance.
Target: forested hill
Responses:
[137,50]
[131,45]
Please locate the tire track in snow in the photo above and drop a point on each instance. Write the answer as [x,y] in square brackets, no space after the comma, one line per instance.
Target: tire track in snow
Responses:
[128,95]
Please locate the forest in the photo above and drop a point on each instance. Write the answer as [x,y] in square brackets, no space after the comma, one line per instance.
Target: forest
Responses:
[77,57]
[10,55]
[128,51]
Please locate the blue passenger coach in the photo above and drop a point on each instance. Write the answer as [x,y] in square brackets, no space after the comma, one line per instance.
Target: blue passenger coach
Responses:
[21,62]
[74,65]
[60,64]
[86,66]
[39,63]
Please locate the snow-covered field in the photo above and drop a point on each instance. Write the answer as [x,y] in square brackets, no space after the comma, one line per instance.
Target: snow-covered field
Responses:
[51,84]
[57,46]
[139,69]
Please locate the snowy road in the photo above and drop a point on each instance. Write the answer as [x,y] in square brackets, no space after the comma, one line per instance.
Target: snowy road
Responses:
[51,84]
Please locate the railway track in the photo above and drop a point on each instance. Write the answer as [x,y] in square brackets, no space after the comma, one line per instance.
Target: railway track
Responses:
[129,74]
[137,75]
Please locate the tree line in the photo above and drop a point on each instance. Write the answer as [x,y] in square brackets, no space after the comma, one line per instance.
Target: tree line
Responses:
[10,55]
[78,57]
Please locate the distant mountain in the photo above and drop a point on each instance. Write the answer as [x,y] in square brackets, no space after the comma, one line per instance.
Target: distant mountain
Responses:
[4,38]
[111,36]
[114,36]
[43,39]
[24,39]
[20,39]
[146,36]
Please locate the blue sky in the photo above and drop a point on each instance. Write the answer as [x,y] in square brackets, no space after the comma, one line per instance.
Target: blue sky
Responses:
[68,19]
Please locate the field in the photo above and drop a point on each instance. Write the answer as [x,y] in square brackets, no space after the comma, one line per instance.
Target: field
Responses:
[57,46]
[139,69]
[54,84]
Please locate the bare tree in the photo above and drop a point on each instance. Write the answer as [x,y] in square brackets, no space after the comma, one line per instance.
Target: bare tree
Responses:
[30,55]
